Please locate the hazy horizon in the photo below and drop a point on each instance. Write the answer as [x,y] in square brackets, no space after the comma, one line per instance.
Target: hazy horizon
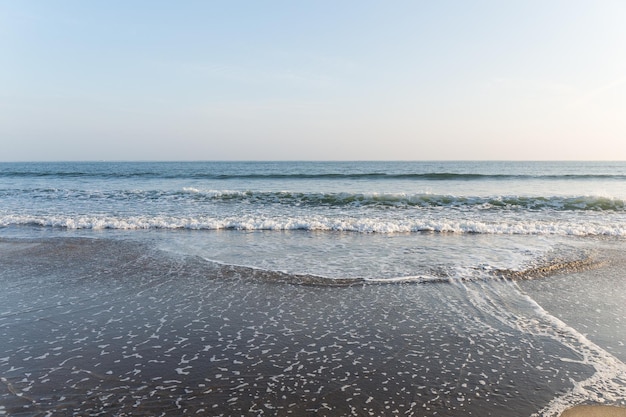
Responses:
[312,81]
[451,161]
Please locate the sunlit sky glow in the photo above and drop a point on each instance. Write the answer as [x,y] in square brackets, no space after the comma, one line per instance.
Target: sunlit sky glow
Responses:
[301,80]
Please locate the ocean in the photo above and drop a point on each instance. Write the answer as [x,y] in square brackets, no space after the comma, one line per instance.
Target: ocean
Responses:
[312,288]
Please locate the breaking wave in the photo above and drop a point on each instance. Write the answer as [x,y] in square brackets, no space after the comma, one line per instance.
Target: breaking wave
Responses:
[593,203]
[384,200]
[599,227]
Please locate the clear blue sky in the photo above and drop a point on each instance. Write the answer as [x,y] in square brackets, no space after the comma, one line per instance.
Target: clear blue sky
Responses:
[175,80]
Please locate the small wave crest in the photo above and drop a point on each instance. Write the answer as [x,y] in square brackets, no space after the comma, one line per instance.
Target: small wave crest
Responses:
[399,200]
[402,200]
[349,200]
[600,227]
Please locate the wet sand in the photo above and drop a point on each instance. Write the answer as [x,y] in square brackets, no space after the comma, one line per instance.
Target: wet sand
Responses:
[100,327]
[593,301]
[595,411]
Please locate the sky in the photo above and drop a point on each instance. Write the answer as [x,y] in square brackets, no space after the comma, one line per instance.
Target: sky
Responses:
[312,80]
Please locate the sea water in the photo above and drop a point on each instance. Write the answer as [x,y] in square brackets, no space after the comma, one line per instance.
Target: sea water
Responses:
[375,219]
[430,257]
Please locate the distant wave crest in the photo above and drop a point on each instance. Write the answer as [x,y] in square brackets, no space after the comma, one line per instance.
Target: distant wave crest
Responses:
[424,176]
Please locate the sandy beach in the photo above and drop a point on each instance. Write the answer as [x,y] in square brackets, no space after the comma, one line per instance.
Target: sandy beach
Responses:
[595,411]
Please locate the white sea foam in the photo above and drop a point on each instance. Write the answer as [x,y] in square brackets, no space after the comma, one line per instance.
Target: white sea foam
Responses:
[590,227]
[413,279]
[606,384]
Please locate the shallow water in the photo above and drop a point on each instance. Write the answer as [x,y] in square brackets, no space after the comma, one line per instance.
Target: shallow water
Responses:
[101,326]
[593,301]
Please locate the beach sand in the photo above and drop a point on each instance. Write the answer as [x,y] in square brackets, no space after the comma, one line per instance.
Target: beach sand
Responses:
[595,411]
[103,327]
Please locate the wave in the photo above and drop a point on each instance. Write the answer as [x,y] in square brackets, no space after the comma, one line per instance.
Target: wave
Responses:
[552,267]
[600,227]
[558,203]
[355,200]
[433,176]
[190,174]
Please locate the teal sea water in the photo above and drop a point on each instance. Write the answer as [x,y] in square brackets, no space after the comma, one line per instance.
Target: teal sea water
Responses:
[467,272]
[367,219]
